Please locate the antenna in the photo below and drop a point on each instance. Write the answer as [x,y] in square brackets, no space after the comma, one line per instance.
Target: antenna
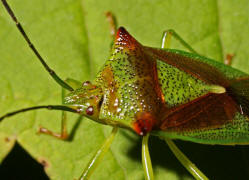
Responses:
[52,73]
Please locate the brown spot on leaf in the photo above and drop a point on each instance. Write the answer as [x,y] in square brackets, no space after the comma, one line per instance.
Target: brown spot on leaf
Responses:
[44,162]
[7,139]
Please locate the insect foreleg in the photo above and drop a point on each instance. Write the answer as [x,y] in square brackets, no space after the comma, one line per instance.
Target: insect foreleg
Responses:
[63,135]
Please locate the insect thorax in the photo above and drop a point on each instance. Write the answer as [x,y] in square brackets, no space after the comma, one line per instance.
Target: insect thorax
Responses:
[132,97]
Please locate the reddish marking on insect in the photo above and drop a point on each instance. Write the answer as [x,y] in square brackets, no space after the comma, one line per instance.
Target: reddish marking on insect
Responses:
[124,39]
[144,123]
[90,111]
[157,84]
[108,76]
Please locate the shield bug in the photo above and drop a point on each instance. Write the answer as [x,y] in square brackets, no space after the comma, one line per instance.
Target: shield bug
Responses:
[167,93]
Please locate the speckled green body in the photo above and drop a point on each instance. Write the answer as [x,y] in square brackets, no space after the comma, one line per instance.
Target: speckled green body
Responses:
[183,87]
[130,87]
[172,93]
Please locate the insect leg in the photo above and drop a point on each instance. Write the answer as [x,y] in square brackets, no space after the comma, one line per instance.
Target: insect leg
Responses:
[228,59]
[147,166]
[167,39]
[185,161]
[177,152]
[35,51]
[63,135]
[93,163]
[113,24]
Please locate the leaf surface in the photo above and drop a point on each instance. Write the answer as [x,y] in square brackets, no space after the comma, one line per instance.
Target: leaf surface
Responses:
[73,36]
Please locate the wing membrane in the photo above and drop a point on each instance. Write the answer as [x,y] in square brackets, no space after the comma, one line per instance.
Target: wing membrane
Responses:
[208,111]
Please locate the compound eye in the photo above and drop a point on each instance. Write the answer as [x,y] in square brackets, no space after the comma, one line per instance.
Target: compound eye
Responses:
[89,111]
[86,83]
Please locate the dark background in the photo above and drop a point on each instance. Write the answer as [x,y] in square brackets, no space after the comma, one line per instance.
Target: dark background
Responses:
[19,165]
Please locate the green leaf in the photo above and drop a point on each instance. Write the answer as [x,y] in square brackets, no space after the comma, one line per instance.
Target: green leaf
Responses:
[73,36]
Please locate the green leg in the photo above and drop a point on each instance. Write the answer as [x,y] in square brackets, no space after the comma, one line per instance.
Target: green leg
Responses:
[93,163]
[179,155]
[167,39]
[185,161]
[148,170]
[35,51]
[63,134]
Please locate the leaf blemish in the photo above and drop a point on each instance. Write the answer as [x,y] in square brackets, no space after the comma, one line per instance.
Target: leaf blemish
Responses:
[7,139]
[44,162]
